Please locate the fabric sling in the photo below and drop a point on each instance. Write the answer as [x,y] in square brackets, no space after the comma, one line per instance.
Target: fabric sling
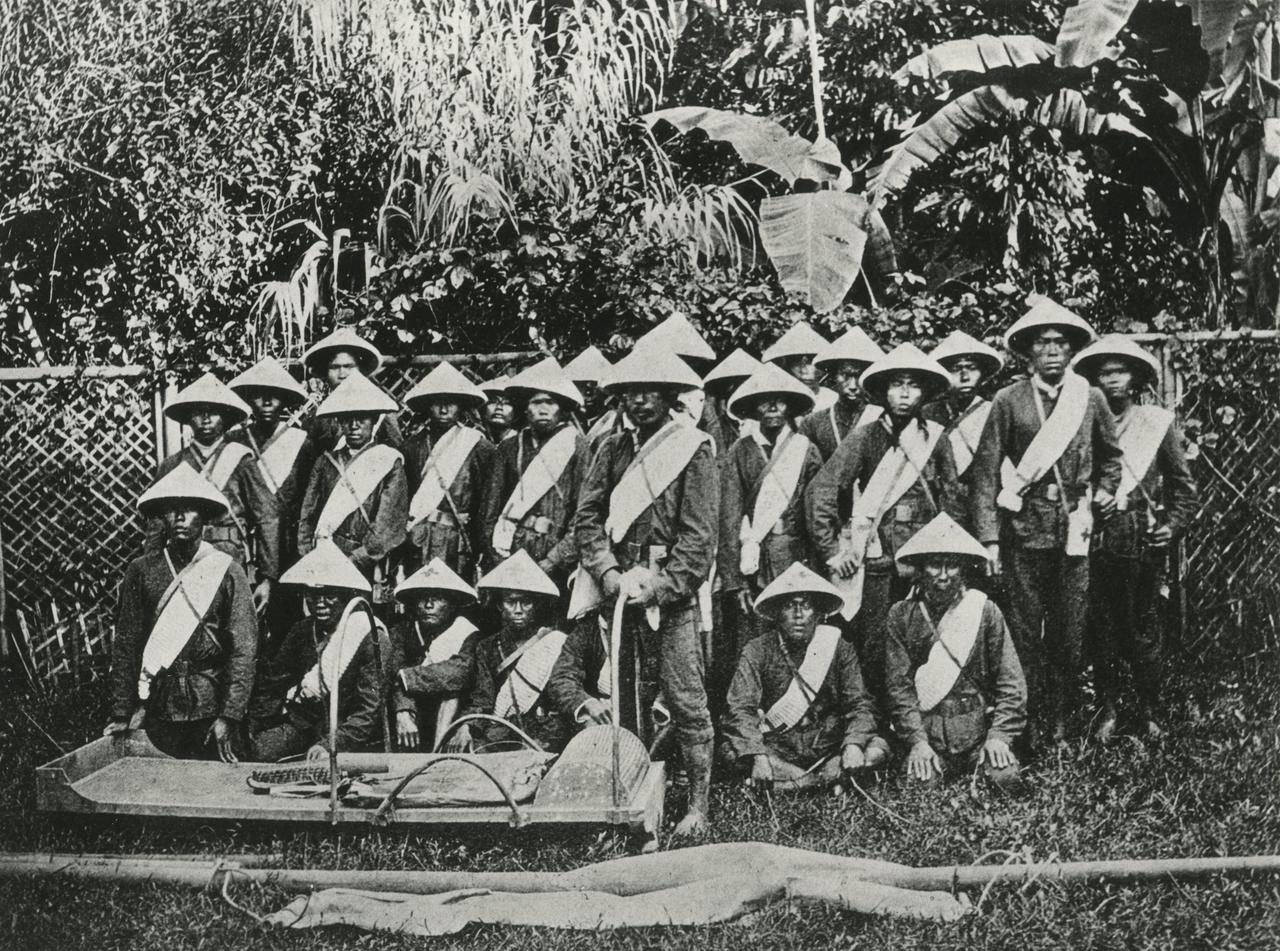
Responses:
[338,652]
[778,485]
[222,463]
[957,634]
[1048,444]
[358,480]
[897,471]
[446,645]
[278,454]
[528,668]
[538,478]
[966,432]
[446,460]
[1141,431]
[791,707]
[182,609]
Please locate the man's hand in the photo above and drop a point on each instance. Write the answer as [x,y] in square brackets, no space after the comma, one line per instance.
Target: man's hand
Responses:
[993,559]
[116,726]
[221,734]
[923,762]
[745,602]
[641,585]
[845,564]
[997,753]
[1105,503]
[1159,537]
[761,772]
[138,717]
[852,758]
[595,710]
[406,730]
[261,595]
[460,742]
[610,582]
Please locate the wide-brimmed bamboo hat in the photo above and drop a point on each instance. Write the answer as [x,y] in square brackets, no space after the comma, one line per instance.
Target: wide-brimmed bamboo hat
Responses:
[852,346]
[905,358]
[1116,347]
[732,371]
[545,376]
[436,576]
[943,536]
[677,335]
[770,381]
[318,355]
[208,391]
[182,486]
[325,566]
[268,374]
[357,395]
[519,573]
[1045,313]
[800,340]
[590,366]
[958,344]
[444,382]
[651,368]
[798,579]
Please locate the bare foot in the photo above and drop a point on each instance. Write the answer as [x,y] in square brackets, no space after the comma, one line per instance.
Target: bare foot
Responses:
[694,825]
[1106,731]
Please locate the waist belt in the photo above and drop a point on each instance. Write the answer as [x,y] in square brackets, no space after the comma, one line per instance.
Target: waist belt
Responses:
[1046,490]
[440,517]
[540,525]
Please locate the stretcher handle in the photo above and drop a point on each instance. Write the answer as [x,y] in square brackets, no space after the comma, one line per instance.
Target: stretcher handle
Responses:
[528,741]
[381,814]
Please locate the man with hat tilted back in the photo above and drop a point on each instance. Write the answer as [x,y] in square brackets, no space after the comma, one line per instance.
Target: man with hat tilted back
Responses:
[1047,458]
[963,411]
[340,646]
[448,467]
[186,638]
[798,712]
[357,495]
[248,529]
[1155,502]
[883,484]
[514,664]
[532,489]
[329,361]
[956,691]
[433,650]
[843,361]
[646,531]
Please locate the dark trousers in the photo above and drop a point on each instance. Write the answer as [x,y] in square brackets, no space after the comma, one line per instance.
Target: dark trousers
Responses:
[183,739]
[1124,624]
[1047,604]
[282,740]
[869,631]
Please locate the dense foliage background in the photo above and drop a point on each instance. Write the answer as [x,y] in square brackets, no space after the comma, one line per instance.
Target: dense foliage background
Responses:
[186,183]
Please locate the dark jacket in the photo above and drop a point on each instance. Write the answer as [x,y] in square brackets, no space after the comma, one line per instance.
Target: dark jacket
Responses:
[544,723]
[368,534]
[418,687]
[440,535]
[288,493]
[574,677]
[817,426]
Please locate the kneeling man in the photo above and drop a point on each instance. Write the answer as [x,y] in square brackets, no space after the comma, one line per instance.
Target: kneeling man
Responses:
[333,648]
[956,690]
[798,712]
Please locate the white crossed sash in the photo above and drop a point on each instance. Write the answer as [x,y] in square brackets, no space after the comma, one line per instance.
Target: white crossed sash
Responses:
[778,485]
[791,707]
[219,467]
[539,477]
[957,635]
[1048,444]
[1141,431]
[446,460]
[357,480]
[182,609]
[337,654]
[529,669]
[897,471]
[967,431]
[279,453]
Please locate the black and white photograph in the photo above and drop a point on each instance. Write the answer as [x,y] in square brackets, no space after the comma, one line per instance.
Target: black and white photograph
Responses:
[675,474]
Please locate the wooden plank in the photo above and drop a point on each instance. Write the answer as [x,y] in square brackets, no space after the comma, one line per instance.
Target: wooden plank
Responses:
[37,374]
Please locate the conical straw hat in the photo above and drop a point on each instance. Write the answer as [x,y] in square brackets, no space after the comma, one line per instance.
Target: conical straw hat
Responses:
[677,335]
[651,368]
[496,386]
[801,580]
[325,566]
[770,380]
[268,374]
[852,346]
[435,575]
[182,485]
[444,382]
[318,355]
[208,391]
[545,376]
[800,340]
[959,344]
[1116,347]
[589,366]
[519,573]
[732,371]
[942,536]
[1046,313]
[357,394]
[905,357]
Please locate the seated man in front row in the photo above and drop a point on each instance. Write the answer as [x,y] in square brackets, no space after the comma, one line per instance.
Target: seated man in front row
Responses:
[956,691]
[334,645]
[798,713]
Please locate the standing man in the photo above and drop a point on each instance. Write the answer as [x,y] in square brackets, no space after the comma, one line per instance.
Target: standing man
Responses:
[585,371]
[956,691]
[884,483]
[499,415]
[331,360]
[646,532]
[357,495]
[843,361]
[1047,459]
[185,641]
[1155,502]
[249,528]
[448,466]
[534,479]
[794,352]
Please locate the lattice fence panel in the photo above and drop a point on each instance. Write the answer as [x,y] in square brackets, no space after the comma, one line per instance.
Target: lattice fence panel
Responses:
[74,456]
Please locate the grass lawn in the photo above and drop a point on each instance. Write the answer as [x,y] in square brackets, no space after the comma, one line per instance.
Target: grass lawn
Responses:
[1209,788]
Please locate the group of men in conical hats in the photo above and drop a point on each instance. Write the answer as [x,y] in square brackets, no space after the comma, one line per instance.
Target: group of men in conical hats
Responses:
[818,577]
